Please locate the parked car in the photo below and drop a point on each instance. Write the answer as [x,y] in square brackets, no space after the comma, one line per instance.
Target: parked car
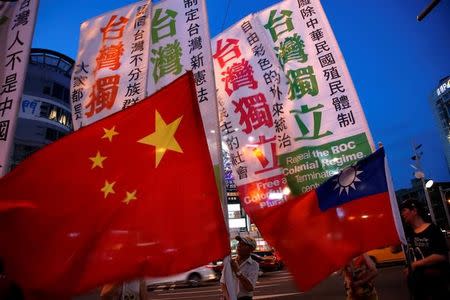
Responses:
[268,261]
[217,267]
[191,278]
[385,256]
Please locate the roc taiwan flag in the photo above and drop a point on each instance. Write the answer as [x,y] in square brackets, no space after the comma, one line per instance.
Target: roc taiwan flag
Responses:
[129,196]
[321,231]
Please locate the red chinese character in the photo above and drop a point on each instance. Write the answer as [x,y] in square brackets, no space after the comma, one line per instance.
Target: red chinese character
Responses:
[266,153]
[103,94]
[109,57]
[239,74]
[254,112]
[113,30]
[230,49]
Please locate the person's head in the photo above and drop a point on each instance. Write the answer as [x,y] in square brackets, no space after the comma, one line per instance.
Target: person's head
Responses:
[411,210]
[245,246]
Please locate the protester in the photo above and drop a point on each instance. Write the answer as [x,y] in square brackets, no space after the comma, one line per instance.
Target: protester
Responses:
[359,277]
[429,270]
[244,268]
[133,290]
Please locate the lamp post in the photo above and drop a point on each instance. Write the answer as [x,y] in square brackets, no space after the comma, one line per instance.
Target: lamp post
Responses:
[427,10]
[445,202]
[420,175]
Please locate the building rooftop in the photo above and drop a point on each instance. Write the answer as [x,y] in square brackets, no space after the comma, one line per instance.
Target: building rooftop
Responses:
[52,59]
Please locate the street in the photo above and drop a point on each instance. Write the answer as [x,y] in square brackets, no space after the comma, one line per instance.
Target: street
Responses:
[279,285]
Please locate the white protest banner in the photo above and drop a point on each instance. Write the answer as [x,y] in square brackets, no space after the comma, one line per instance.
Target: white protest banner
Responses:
[180,42]
[324,118]
[17,20]
[250,112]
[111,66]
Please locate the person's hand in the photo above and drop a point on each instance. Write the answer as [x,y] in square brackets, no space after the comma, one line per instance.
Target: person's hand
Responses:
[414,265]
[406,271]
[234,266]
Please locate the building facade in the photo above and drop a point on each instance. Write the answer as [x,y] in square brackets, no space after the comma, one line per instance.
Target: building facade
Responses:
[440,103]
[44,114]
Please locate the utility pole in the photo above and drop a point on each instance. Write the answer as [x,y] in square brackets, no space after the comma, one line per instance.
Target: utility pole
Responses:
[427,10]
[420,174]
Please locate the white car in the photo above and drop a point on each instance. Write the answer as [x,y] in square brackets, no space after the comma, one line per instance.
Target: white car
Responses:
[192,278]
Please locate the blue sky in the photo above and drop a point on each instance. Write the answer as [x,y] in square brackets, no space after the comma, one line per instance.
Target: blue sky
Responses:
[395,62]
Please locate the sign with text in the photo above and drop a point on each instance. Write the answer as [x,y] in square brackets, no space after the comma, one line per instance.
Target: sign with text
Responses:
[111,66]
[289,113]
[325,122]
[17,19]
[180,42]
[250,111]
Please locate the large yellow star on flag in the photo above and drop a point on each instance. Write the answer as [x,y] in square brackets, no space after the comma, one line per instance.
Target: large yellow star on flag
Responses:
[109,133]
[97,160]
[108,188]
[163,138]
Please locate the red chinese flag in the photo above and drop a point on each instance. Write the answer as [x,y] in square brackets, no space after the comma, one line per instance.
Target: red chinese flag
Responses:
[319,232]
[132,195]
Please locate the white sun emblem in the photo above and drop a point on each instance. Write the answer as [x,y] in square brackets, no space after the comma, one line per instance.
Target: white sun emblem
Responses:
[347,179]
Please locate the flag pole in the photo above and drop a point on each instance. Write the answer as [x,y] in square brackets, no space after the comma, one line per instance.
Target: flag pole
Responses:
[228,277]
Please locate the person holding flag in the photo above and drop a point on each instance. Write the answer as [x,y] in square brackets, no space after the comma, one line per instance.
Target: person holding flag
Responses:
[429,270]
[122,171]
[245,270]
[359,277]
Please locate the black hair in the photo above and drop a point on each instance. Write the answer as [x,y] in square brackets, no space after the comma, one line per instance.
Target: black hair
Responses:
[413,203]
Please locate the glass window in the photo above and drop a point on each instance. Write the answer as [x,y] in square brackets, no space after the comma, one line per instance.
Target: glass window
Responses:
[46,90]
[237,223]
[58,91]
[63,119]
[66,95]
[51,60]
[45,108]
[53,115]
[51,134]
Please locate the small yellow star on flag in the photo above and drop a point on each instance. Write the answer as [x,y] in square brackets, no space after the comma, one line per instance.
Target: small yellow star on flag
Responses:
[108,188]
[97,160]
[109,133]
[129,197]
[163,138]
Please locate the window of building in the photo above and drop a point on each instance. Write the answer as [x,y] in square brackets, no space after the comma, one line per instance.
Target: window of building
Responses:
[56,113]
[46,90]
[45,110]
[66,96]
[53,134]
[53,115]
[58,91]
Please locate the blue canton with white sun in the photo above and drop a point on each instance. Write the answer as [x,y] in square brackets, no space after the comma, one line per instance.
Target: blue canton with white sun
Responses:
[365,178]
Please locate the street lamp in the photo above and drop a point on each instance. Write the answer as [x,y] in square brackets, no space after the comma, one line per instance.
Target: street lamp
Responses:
[427,10]
[419,174]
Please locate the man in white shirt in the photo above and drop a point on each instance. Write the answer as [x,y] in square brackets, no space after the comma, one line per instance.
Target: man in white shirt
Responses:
[244,268]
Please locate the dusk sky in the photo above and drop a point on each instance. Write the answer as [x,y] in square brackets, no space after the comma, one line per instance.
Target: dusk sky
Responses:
[395,62]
